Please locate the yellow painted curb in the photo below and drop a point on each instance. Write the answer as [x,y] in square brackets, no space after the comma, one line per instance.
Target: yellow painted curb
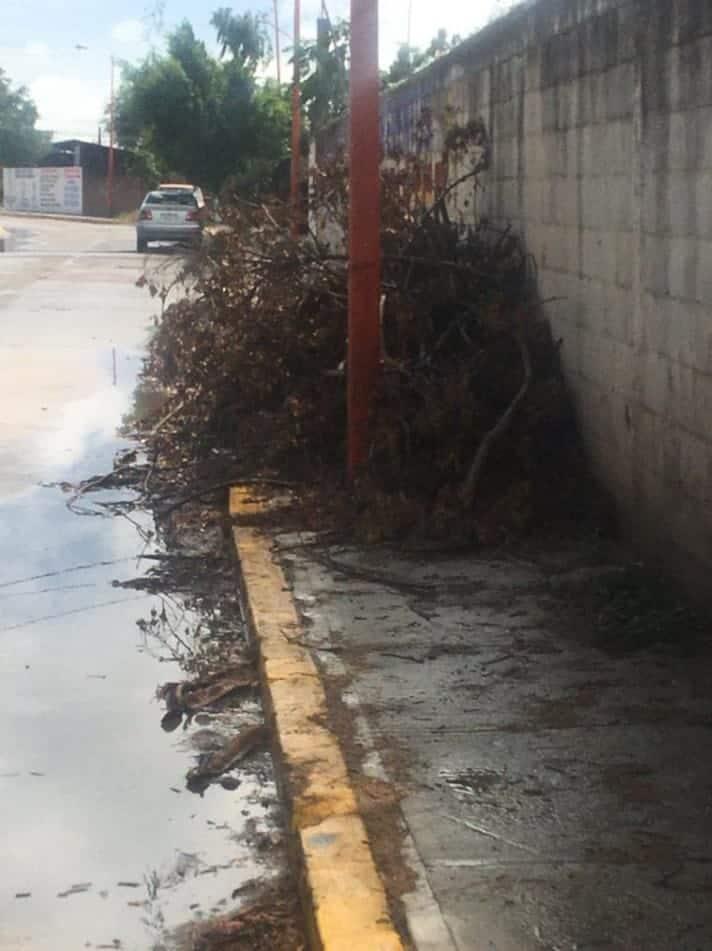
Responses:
[343,897]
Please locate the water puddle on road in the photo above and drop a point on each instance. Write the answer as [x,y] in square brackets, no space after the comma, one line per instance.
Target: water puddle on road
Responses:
[108,840]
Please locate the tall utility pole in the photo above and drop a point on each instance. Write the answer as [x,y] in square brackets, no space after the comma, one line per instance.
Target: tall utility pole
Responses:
[276,43]
[364,349]
[110,166]
[296,125]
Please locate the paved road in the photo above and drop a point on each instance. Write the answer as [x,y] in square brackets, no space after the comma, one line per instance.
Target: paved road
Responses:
[67,306]
[92,791]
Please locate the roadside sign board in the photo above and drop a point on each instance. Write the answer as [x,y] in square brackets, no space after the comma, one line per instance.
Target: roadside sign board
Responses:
[48,190]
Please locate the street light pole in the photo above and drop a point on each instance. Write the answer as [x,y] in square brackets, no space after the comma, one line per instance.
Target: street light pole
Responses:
[364,347]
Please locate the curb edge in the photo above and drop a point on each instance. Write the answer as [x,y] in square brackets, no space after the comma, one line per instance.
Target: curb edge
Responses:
[45,216]
[343,899]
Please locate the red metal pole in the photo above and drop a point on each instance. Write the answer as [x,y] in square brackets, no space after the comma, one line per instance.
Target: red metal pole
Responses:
[296,126]
[364,351]
[110,168]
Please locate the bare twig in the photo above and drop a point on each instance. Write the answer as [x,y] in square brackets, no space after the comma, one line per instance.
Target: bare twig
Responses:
[376,577]
[159,425]
[269,217]
[469,487]
[219,486]
[440,201]
[492,835]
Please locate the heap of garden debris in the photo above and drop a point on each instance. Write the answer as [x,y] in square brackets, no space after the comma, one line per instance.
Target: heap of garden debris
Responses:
[472,430]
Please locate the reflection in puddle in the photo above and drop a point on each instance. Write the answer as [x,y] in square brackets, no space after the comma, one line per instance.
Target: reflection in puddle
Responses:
[104,844]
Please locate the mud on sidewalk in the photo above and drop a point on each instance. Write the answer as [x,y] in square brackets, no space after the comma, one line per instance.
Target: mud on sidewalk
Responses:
[526,730]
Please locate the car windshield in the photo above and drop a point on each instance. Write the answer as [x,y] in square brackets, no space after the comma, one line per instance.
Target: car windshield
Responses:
[171,198]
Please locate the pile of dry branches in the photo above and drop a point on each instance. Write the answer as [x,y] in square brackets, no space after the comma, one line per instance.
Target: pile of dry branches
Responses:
[472,429]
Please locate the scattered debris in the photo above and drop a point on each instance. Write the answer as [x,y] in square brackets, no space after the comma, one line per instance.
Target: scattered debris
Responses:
[229,782]
[472,423]
[191,697]
[492,835]
[77,889]
[212,765]
[634,610]
[270,922]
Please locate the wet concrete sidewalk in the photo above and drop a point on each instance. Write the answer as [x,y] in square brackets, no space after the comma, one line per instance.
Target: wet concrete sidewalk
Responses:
[558,793]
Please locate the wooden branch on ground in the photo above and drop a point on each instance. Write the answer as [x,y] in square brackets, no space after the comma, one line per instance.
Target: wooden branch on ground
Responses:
[219,486]
[161,423]
[440,200]
[469,488]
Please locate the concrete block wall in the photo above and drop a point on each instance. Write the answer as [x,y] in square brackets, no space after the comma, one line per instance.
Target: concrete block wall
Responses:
[600,113]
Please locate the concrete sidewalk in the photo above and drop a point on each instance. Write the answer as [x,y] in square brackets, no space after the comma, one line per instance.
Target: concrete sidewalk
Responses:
[556,795]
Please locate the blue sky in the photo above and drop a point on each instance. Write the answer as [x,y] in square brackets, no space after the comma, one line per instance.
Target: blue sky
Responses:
[71,87]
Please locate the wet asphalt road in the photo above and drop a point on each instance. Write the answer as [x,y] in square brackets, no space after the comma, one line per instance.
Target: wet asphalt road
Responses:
[101,843]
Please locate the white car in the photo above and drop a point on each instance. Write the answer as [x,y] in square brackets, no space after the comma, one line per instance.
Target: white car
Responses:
[171,213]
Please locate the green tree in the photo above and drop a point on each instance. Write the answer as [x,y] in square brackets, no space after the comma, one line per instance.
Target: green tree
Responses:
[205,118]
[324,69]
[20,142]
[324,73]
[409,59]
[244,36]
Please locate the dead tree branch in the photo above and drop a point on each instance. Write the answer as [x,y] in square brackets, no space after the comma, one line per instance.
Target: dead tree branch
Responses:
[469,487]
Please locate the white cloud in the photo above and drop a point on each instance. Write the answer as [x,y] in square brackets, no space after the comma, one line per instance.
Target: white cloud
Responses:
[38,52]
[21,63]
[70,87]
[68,105]
[98,415]
[129,33]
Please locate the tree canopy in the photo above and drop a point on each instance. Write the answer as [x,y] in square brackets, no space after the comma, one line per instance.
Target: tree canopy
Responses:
[211,119]
[324,73]
[410,58]
[324,68]
[205,118]
[20,142]
[243,36]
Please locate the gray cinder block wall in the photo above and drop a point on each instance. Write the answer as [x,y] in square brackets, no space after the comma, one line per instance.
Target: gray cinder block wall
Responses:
[600,113]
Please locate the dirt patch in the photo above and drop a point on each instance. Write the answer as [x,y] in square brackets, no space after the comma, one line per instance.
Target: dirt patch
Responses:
[379,804]
[623,607]
[631,782]
[378,801]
